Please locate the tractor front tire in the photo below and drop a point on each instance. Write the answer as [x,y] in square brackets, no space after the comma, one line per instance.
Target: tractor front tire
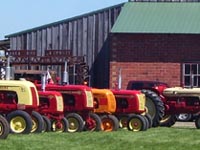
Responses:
[60,125]
[123,121]
[4,128]
[20,122]
[137,123]
[76,123]
[38,122]
[109,123]
[155,106]
[150,121]
[47,124]
[93,122]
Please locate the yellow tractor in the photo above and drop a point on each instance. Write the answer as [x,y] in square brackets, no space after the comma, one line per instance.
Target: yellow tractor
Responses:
[105,106]
[18,102]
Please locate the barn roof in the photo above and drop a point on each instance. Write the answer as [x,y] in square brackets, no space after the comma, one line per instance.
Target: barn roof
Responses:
[162,17]
[63,21]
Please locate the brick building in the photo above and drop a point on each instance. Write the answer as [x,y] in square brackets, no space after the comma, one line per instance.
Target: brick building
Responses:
[156,41]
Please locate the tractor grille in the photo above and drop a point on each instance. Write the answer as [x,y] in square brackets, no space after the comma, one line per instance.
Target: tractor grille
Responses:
[89,99]
[142,101]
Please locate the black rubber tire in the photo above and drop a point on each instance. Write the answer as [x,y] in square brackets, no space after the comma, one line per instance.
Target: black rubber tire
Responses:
[93,122]
[47,124]
[123,120]
[154,99]
[147,125]
[112,121]
[38,121]
[74,118]
[184,117]
[4,128]
[135,120]
[148,116]
[65,125]
[168,120]
[197,122]
[26,119]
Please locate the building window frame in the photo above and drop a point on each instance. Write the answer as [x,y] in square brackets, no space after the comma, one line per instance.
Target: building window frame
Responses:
[191,74]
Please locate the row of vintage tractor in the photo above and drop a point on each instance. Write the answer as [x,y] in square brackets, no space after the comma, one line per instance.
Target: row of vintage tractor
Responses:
[26,107]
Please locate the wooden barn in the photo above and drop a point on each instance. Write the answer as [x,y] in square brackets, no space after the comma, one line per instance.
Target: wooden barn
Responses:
[143,40]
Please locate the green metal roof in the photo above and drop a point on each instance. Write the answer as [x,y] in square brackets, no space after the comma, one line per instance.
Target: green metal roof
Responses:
[162,17]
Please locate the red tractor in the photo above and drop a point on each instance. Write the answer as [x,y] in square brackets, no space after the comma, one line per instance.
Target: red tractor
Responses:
[78,106]
[52,110]
[179,100]
[131,110]
[175,100]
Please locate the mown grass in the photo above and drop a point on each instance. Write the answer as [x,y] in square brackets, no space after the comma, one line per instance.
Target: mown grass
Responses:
[153,139]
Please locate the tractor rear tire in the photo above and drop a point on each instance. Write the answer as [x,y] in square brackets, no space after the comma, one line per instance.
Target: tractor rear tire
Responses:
[76,123]
[197,122]
[60,125]
[168,120]
[47,124]
[4,128]
[109,123]
[155,106]
[20,122]
[93,122]
[38,122]
[137,123]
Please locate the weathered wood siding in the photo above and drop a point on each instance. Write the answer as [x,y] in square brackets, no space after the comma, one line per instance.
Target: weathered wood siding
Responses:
[83,35]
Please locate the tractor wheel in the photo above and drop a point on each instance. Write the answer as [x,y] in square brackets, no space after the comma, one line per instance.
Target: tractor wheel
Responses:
[168,120]
[147,123]
[123,121]
[109,123]
[136,123]
[38,122]
[93,122]
[155,106]
[197,122]
[184,117]
[20,122]
[148,116]
[47,124]
[4,128]
[60,125]
[76,123]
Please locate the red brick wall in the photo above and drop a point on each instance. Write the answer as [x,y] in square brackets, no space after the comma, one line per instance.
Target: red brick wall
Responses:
[152,56]
[165,72]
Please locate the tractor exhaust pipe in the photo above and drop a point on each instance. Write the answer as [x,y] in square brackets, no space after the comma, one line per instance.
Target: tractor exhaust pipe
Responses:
[65,75]
[43,82]
[120,79]
[8,69]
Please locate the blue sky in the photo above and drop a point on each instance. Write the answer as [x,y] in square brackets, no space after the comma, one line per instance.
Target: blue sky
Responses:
[19,15]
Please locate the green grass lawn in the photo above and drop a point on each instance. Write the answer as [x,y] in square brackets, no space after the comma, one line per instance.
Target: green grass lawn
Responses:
[161,138]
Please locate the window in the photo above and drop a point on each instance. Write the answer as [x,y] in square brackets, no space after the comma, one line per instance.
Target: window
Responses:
[191,74]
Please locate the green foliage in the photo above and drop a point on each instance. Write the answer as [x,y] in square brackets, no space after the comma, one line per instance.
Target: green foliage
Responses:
[153,139]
